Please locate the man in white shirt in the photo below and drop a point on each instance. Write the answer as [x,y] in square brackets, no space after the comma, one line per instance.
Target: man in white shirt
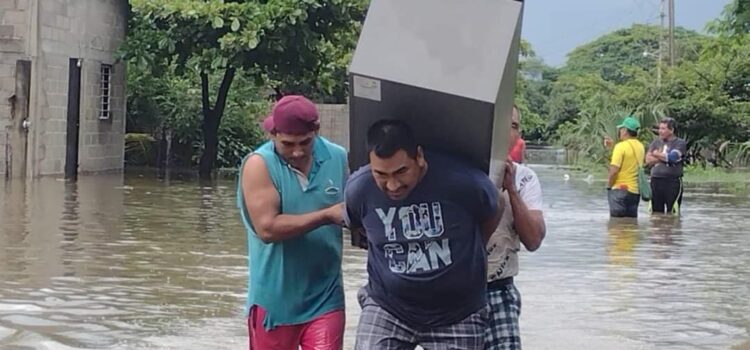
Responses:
[523,224]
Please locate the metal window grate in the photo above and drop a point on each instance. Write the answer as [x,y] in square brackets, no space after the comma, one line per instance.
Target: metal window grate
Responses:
[105,107]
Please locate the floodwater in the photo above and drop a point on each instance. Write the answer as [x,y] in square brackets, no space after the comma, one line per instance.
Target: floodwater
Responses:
[134,262]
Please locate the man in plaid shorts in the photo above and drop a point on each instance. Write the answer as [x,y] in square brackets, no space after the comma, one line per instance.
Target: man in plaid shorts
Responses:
[523,224]
[426,217]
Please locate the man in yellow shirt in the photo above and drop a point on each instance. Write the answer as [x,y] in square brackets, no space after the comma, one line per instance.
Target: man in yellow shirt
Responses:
[627,156]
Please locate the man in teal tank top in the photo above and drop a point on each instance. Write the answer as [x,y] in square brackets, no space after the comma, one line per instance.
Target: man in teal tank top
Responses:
[290,195]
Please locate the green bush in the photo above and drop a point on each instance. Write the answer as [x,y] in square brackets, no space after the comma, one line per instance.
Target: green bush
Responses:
[139,149]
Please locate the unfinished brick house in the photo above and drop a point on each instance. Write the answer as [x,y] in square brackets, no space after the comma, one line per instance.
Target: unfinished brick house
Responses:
[62,93]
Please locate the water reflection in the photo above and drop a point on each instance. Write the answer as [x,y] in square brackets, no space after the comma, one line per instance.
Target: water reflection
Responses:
[15,226]
[665,235]
[107,264]
[623,238]
[141,262]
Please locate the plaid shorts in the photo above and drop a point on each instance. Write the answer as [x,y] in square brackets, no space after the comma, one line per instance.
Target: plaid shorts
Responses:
[379,330]
[505,308]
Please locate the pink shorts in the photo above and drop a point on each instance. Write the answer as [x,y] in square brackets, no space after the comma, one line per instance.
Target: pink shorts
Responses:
[323,333]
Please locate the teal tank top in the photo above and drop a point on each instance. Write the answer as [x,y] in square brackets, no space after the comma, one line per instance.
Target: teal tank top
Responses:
[298,280]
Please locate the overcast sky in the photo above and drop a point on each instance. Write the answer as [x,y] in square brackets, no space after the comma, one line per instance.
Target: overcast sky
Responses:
[555,27]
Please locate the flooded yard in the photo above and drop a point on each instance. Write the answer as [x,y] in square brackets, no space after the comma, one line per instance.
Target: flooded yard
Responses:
[134,262]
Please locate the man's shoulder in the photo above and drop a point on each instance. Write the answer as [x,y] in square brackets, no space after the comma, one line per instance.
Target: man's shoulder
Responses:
[452,167]
[259,157]
[335,149]
[438,156]
[264,149]
[525,175]
[628,144]
[358,179]
[620,147]
[364,172]
[524,171]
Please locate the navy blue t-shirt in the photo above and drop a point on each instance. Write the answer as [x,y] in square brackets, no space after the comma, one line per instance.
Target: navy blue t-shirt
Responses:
[426,257]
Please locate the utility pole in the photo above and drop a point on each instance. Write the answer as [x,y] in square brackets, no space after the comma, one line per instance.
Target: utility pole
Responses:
[661,43]
[672,55]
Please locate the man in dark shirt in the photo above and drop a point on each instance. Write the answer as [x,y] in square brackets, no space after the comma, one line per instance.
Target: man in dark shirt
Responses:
[427,217]
[665,156]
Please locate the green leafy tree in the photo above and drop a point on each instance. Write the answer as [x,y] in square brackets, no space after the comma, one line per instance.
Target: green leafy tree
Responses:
[532,88]
[735,20]
[612,74]
[707,91]
[711,96]
[289,42]
[637,46]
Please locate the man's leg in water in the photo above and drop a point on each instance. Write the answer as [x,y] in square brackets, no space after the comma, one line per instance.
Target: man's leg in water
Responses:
[279,338]
[379,330]
[658,195]
[674,195]
[503,331]
[468,334]
[325,332]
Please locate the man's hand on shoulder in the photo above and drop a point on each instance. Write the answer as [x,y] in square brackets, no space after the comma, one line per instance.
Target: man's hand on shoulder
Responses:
[335,214]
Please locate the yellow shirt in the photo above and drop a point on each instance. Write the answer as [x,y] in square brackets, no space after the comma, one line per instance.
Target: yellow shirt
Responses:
[627,155]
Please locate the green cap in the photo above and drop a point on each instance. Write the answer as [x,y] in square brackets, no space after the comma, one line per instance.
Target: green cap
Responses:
[630,123]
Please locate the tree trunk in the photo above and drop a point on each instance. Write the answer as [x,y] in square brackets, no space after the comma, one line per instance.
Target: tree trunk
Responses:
[168,160]
[210,145]
[161,149]
[211,120]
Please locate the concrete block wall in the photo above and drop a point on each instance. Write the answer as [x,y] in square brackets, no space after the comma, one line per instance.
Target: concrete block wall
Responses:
[13,22]
[102,140]
[13,28]
[92,31]
[50,120]
[334,123]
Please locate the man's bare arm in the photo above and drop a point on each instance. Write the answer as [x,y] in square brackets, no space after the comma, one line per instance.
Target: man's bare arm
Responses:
[529,224]
[652,158]
[660,156]
[262,202]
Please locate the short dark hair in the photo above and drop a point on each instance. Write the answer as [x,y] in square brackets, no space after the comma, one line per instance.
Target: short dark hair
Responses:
[388,136]
[632,133]
[671,123]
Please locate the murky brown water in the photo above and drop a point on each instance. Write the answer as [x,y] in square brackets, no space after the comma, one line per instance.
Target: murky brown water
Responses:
[131,262]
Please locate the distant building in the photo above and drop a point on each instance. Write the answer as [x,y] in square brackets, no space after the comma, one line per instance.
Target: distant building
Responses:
[62,94]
